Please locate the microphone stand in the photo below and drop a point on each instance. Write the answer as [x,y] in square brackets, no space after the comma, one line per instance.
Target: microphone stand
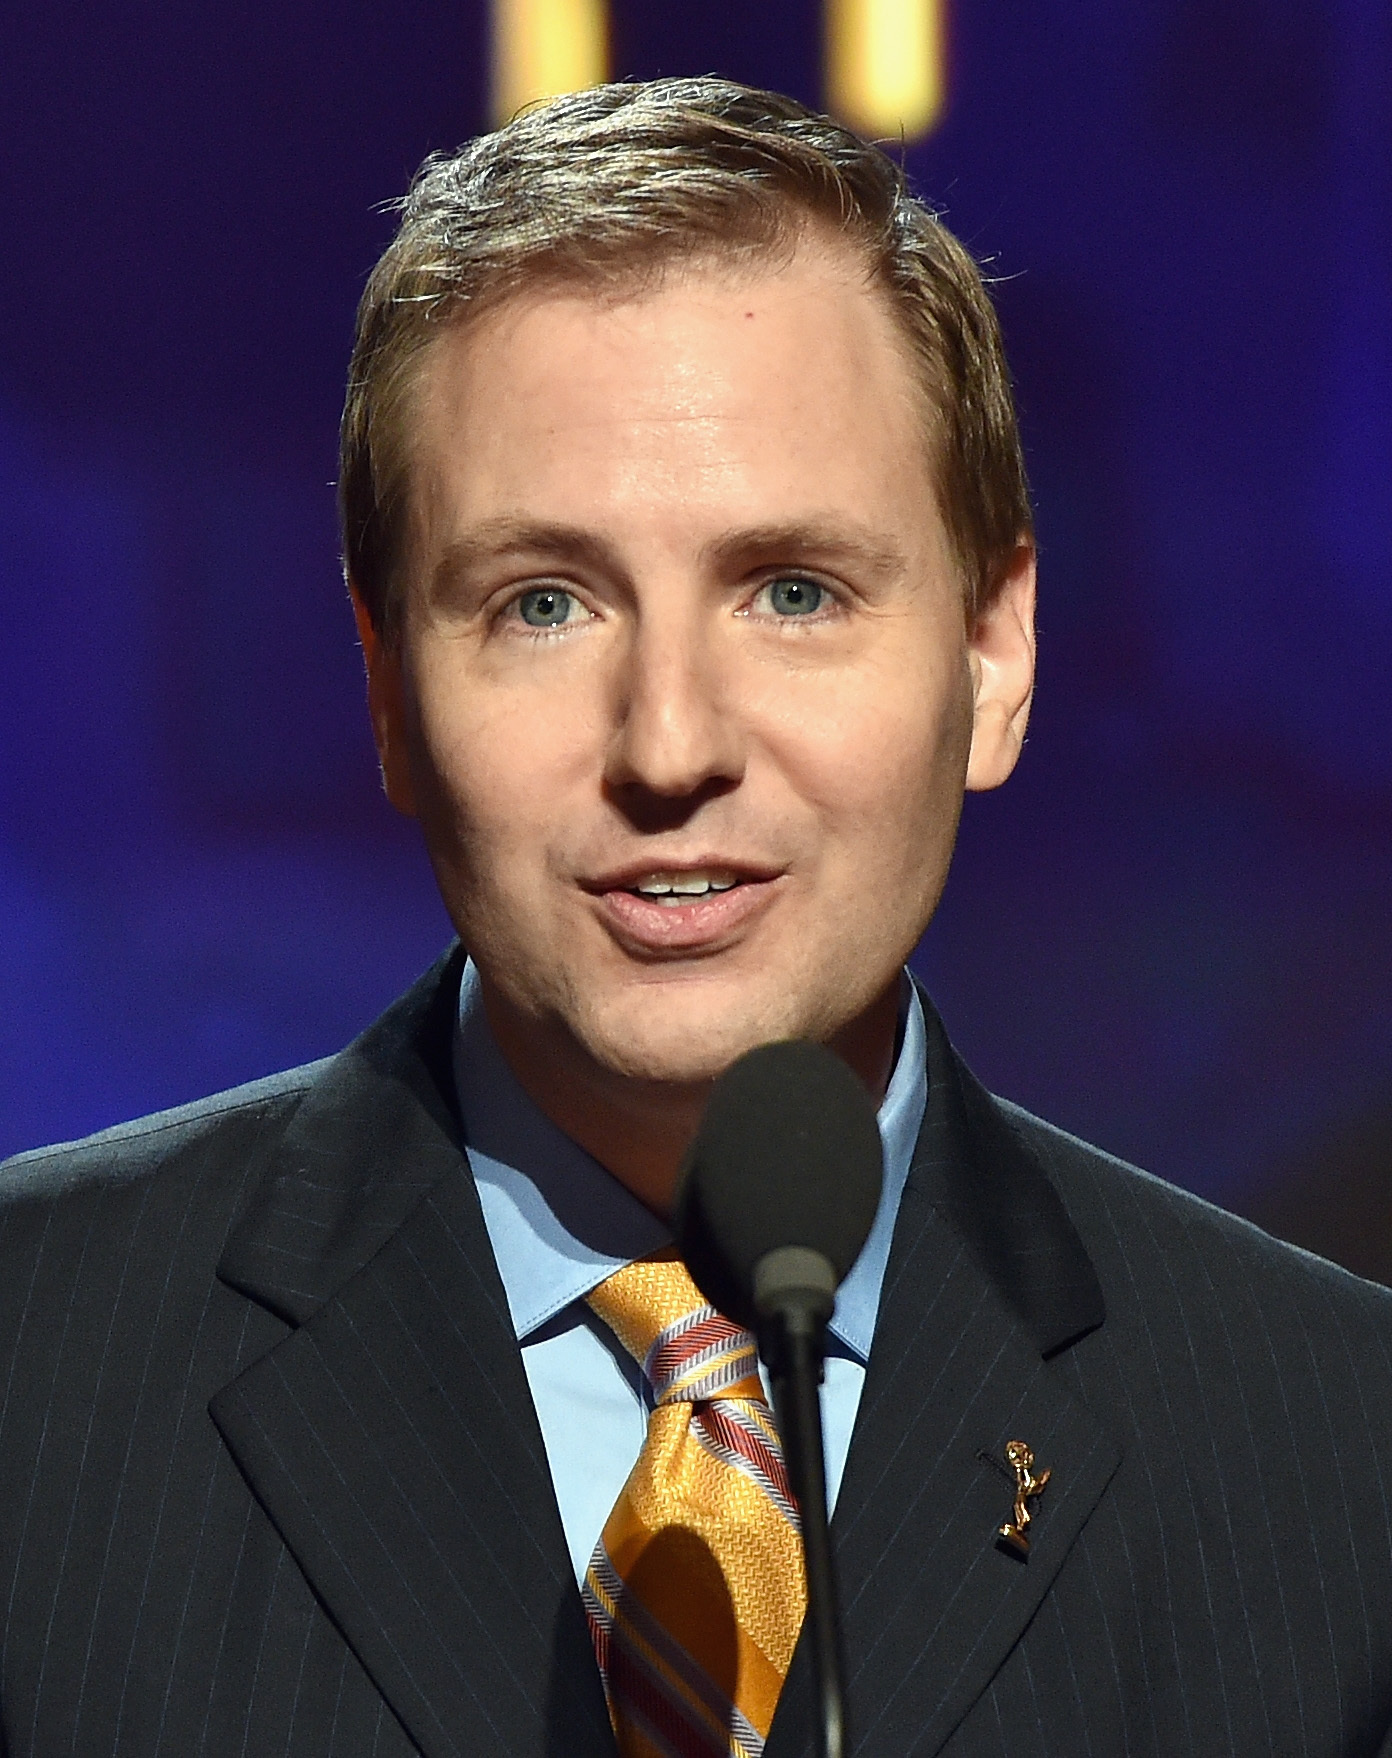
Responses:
[794,1291]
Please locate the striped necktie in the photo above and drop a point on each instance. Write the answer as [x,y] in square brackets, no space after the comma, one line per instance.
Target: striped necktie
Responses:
[695,1592]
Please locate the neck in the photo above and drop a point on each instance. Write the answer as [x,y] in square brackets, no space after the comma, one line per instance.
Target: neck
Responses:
[638,1130]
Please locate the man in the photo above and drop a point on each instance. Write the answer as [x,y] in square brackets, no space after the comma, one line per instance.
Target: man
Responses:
[690,547]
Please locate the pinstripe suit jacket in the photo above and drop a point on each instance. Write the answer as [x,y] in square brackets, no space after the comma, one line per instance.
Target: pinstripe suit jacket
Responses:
[271,1481]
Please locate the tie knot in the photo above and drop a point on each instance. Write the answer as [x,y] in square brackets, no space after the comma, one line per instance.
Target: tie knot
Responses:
[687,1350]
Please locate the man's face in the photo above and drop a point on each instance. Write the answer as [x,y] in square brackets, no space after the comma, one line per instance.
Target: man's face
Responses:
[685,695]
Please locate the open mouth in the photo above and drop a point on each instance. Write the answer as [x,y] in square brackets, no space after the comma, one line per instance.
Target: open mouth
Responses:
[665,912]
[672,890]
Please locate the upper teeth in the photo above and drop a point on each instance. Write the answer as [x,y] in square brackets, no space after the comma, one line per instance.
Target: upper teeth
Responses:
[685,884]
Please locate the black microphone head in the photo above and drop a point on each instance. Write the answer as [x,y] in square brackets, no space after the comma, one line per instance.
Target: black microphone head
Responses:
[788,1154]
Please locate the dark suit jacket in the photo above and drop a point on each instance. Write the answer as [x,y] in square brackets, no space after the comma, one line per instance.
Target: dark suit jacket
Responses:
[271,1480]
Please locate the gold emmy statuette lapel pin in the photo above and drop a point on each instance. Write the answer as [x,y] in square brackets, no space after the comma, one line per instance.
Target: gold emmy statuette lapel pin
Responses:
[1015,1533]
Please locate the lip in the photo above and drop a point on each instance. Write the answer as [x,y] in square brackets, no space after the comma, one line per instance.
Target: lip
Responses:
[705,925]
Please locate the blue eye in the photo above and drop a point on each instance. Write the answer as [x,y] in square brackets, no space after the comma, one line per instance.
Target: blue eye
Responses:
[546,607]
[795,597]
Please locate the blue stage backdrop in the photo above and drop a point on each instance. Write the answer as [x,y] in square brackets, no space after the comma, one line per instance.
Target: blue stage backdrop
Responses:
[1171,932]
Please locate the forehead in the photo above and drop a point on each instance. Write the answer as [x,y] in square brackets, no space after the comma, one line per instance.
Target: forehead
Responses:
[719,389]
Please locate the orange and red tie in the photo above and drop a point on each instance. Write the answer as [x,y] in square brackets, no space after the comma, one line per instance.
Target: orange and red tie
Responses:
[695,1593]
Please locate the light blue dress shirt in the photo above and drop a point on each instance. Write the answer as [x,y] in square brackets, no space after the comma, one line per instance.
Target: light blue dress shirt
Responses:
[559,1224]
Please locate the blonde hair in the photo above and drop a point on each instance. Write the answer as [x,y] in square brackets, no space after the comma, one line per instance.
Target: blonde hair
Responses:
[626,180]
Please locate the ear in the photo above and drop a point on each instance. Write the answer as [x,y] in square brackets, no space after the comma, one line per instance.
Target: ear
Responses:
[1000,647]
[386,703]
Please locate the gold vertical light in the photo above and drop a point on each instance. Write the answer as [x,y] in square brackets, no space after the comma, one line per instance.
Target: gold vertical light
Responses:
[885,64]
[542,48]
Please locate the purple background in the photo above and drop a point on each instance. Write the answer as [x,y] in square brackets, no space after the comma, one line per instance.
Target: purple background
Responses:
[1170,933]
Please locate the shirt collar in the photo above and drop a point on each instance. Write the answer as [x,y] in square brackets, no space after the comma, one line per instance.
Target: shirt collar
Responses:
[559,1223]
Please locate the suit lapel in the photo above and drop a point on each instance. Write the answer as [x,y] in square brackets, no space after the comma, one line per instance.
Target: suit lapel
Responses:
[391,1436]
[986,1278]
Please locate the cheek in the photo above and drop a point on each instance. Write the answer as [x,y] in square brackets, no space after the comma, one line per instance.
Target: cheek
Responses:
[883,760]
[493,766]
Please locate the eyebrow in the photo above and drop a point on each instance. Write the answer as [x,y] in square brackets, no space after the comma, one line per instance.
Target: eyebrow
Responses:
[809,540]
[804,541]
[505,536]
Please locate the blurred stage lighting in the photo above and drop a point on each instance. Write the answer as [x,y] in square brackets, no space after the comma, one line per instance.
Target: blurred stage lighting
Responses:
[885,64]
[542,48]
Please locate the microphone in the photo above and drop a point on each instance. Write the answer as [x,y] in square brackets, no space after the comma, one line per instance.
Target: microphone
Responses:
[777,1196]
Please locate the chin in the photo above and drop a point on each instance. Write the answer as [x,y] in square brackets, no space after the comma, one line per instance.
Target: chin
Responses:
[685,1040]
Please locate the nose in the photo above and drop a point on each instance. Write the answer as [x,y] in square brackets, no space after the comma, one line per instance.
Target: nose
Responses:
[676,739]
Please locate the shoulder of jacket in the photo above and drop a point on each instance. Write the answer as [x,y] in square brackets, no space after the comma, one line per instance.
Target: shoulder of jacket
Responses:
[1120,1208]
[145,1145]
